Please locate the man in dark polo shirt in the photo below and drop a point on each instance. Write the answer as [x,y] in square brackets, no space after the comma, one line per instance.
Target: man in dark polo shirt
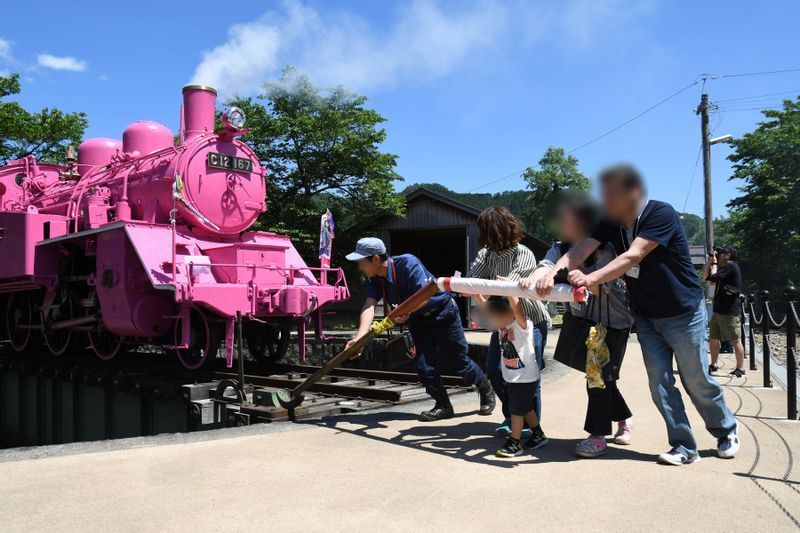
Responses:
[667,303]
[724,325]
[435,325]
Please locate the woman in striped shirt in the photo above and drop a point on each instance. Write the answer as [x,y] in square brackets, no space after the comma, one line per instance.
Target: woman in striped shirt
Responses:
[502,256]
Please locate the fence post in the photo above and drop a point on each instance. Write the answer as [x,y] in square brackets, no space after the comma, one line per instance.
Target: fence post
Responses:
[791,345]
[751,300]
[765,324]
[742,320]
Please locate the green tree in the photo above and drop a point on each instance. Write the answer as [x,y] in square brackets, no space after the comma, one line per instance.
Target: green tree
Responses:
[557,171]
[515,201]
[322,150]
[44,134]
[695,228]
[766,217]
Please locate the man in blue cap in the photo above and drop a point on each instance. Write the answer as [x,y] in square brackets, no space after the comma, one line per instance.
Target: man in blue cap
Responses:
[435,325]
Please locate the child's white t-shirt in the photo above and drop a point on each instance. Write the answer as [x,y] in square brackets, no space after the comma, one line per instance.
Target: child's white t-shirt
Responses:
[517,353]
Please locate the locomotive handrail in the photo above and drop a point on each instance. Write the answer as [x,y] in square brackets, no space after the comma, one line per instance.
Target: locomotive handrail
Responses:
[286,271]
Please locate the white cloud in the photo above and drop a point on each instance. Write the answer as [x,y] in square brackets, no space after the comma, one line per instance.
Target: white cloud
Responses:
[61,63]
[424,42]
[5,50]
[343,50]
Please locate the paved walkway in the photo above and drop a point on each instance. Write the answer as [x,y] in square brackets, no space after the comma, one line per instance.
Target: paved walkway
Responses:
[386,472]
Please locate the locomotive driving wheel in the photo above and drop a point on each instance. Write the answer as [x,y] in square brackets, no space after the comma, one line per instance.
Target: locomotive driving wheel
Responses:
[203,341]
[58,341]
[104,344]
[19,320]
[267,342]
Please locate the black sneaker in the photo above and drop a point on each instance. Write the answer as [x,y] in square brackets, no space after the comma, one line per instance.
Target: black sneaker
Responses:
[512,448]
[737,373]
[538,439]
[712,369]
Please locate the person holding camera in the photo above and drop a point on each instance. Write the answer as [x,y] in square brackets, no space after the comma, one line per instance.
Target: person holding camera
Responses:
[722,271]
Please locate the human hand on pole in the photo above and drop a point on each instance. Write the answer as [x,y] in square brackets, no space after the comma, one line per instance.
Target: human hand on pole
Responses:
[578,278]
[401,319]
[349,344]
[544,285]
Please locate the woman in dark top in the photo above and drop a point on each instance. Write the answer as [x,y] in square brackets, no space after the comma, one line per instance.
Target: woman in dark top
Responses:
[577,215]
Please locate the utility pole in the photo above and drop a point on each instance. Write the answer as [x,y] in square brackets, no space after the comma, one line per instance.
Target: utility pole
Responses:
[702,110]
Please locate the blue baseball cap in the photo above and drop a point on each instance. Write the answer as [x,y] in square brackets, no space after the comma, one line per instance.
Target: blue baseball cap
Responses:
[366,247]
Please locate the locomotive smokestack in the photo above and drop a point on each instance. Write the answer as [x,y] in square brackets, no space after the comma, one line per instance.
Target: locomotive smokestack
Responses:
[199,105]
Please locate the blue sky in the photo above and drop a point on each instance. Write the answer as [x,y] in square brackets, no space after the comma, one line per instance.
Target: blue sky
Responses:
[472,90]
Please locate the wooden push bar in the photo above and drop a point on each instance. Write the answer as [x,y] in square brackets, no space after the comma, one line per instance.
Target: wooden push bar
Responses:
[415,301]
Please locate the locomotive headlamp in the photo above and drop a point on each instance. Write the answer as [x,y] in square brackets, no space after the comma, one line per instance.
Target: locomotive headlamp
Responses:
[233,118]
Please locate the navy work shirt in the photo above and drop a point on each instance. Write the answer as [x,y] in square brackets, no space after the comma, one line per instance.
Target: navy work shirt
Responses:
[667,285]
[411,276]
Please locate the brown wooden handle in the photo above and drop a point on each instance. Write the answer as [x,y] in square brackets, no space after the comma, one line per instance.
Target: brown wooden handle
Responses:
[406,307]
[414,301]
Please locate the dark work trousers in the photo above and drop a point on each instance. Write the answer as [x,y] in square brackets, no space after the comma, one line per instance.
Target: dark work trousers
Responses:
[607,405]
[495,372]
[440,343]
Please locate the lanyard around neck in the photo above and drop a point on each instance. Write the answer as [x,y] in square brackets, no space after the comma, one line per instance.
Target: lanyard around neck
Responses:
[624,234]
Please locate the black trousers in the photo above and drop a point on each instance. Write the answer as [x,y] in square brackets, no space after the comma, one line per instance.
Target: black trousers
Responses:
[607,405]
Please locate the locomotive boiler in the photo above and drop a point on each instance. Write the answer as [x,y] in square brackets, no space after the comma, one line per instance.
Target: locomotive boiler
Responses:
[147,241]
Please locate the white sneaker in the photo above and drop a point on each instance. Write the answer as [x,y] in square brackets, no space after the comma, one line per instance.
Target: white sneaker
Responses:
[677,458]
[624,432]
[728,447]
[594,446]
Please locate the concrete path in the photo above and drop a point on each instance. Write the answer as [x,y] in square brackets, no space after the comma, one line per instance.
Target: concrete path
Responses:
[384,471]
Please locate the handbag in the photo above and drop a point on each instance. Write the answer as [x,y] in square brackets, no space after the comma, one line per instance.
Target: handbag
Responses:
[571,346]
[400,347]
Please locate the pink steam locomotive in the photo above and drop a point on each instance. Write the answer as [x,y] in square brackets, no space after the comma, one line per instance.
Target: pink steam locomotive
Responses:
[146,241]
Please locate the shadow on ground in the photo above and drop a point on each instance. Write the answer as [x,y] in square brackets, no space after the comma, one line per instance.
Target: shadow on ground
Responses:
[468,441]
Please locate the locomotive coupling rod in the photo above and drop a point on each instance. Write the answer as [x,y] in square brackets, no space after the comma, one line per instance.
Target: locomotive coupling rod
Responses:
[295,397]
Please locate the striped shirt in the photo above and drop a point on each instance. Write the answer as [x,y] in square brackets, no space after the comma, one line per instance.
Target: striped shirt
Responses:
[513,263]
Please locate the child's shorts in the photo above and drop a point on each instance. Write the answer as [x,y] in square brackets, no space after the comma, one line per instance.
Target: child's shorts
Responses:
[521,397]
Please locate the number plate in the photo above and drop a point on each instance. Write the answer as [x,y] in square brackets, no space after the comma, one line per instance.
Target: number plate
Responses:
[229,162]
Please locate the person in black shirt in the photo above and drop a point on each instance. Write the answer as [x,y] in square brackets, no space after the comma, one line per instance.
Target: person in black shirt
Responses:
[667,303]
[724,325]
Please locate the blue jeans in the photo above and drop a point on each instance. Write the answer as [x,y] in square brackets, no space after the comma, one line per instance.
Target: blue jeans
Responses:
[685,337]
[495,373]
[439,339]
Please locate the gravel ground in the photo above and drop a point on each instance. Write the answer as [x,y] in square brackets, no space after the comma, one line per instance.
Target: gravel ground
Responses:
[777,345]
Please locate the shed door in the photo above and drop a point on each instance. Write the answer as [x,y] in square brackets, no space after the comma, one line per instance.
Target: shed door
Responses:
[442,251]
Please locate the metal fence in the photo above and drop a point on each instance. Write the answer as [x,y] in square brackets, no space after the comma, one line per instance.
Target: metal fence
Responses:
[775,340]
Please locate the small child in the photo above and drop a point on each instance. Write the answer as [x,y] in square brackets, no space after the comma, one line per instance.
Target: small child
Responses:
[520,370]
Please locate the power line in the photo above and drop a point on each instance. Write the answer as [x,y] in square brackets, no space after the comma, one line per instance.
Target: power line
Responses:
[757,97]
[703,78]
[609,132]
[763,73]
[752,109]
[517,173]
[691,181]
[606,134]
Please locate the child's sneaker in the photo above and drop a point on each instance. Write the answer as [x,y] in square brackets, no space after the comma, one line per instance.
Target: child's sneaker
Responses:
[594,446]
[512,448]
[504,429]
[624,432]
[537,440]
